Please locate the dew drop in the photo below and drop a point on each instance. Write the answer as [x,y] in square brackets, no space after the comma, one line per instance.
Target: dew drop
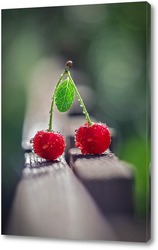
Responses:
[31,140]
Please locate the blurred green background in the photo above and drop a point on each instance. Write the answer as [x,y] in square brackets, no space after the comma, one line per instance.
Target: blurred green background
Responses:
[110,43]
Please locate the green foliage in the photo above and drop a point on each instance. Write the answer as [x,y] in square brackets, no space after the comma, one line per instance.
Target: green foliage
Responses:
[140,158]
[64,95]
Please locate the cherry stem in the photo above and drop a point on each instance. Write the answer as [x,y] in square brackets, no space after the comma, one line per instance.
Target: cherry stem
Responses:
[52,103]
[68,65]
[80,100]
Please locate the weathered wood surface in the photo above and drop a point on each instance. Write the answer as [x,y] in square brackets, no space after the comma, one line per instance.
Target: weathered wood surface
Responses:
[109,181]
[51,202]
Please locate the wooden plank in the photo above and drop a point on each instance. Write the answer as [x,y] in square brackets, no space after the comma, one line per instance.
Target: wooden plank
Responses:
[129,228]
[109,181]
[51,202]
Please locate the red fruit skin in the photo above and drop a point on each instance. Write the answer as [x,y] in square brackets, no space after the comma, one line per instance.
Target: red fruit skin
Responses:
[48,145]
[94,139]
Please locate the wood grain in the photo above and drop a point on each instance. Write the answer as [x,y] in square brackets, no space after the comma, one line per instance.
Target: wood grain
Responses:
[51,202]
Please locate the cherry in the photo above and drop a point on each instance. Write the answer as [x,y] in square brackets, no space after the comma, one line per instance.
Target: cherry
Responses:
[93,139]
[48,145]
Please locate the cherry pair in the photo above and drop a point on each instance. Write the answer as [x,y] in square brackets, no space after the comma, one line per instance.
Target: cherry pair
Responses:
[91,138]
[94,139]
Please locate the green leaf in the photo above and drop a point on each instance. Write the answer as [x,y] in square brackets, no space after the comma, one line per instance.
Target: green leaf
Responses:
[64,95]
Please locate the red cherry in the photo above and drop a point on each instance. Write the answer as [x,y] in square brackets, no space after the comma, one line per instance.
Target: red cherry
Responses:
[93,139]
[48,145]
